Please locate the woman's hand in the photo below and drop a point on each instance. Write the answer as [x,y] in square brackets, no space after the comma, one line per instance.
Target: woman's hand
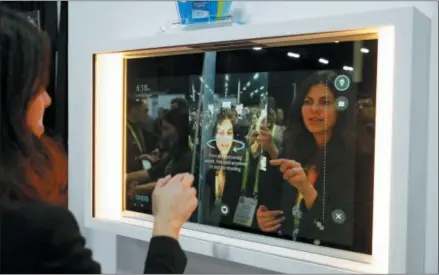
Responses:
[131,188]
[269,221]
[265,138]
[173,202]
[151,158]
[293,172]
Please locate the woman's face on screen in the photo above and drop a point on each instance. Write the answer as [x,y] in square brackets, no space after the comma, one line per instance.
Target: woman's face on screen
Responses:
[224,136]
[318,110]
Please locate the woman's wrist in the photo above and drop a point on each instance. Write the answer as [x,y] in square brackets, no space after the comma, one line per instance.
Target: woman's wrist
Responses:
[165,227]
[309,194]
[272,151]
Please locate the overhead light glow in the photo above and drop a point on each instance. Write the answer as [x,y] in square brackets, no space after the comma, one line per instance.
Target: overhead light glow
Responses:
[256,76]
[257,48]
[323,61]
[364,50]
[348,68]
[293,55]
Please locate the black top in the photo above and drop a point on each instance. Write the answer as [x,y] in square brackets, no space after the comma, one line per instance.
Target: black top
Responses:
[37,238]
[347,184]
[232,192]
[181,163]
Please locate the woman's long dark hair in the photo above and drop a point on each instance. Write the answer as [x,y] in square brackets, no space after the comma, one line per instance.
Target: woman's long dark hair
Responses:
[25,160]
[179,118]
[299,143]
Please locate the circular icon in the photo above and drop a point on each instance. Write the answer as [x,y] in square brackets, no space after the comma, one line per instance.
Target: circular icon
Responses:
[338,216]
[341,103]
[342,83]
[224,209]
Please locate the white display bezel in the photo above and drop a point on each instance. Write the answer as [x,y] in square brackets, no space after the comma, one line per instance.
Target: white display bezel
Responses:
[394,145]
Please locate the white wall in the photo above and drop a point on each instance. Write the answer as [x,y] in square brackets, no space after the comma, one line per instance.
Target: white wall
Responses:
[93,24]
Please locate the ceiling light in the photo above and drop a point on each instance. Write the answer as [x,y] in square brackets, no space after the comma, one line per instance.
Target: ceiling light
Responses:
[257,48]
[256,76]
[336,41]
[364,50]
[294,55]
[227,77]
[323,61]
[348,68]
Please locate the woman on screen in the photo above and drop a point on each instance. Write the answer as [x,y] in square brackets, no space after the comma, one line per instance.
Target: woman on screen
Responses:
[234,177]
[327,189]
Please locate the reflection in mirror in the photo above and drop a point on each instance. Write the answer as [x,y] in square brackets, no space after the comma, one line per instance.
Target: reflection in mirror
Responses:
[281,138]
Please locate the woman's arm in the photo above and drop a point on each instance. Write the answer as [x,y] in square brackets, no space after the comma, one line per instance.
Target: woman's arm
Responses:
[145,188]
[165,255]
[139,176]
[272,151]
[152,174]
[67,252]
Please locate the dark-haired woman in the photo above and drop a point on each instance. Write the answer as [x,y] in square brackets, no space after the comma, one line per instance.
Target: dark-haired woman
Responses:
[327,183]
[235,177]
[36,234]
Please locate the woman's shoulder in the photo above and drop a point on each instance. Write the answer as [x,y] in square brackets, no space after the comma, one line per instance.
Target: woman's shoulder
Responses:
[39,216]
[41,238]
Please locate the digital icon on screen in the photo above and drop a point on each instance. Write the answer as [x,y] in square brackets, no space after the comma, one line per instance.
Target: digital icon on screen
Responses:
[224,209]
[342,83]
[341,103]
[338,216]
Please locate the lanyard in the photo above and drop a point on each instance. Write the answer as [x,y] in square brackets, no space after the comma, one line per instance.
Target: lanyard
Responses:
[136,139]
[273,130]
[245,174]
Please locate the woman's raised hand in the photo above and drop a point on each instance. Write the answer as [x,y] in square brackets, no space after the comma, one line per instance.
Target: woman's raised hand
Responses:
[293,172]
[173,202]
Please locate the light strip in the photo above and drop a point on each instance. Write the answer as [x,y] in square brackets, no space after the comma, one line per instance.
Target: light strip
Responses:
[108,153]
[383,149]
[323,61]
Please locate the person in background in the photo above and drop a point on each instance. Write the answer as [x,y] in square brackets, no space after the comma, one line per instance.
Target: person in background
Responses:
[36,234]
[140,143]
[180,103]
[280,117]
[175,140]
[157,121]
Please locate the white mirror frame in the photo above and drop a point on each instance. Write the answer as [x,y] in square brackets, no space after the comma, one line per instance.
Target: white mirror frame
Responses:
[400,150]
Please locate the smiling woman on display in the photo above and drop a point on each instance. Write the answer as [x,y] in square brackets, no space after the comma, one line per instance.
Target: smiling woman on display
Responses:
[326,190]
